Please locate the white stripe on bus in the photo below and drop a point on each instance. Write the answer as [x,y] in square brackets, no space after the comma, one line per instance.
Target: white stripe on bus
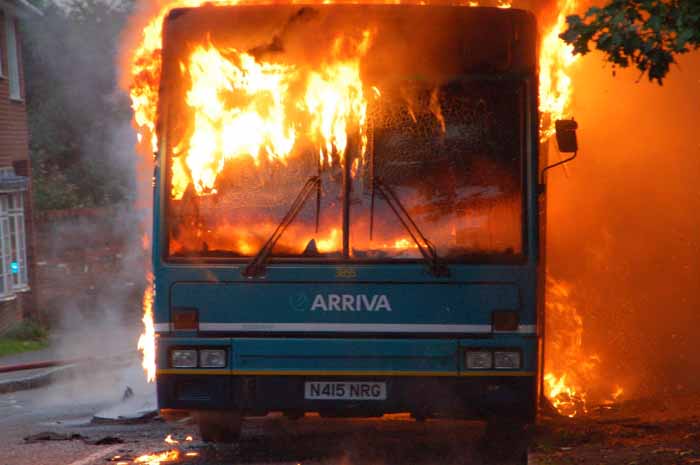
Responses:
[352,327]
[162,327]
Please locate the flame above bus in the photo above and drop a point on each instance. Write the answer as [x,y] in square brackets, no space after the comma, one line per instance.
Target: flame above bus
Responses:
[555,85]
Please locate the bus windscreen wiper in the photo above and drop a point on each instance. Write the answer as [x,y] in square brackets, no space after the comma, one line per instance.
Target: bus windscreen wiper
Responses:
[426,248]
[257,265]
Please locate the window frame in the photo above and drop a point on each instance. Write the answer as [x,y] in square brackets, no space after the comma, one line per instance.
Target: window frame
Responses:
[3,46]
[18,242]
[6,290]
[13,246]
[14,75]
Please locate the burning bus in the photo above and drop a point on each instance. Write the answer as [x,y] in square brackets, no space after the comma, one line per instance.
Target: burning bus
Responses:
[347,213]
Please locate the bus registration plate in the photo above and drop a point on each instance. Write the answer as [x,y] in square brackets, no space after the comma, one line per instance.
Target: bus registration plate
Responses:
[344,390]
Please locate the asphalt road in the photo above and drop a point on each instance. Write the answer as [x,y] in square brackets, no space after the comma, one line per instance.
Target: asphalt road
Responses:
[68,409]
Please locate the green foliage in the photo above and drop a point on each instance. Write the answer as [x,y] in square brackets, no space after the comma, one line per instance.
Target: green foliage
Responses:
[23,337]
[53,191]
[74,105]
[14,346]
[646,33]
[27,330]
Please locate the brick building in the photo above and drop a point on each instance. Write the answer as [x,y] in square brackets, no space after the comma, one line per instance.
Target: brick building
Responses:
[16,229]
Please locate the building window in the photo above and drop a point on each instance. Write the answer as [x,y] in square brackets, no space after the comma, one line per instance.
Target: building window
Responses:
[18,242]
[2,21]
[13,245]
[12,57]
[5,250]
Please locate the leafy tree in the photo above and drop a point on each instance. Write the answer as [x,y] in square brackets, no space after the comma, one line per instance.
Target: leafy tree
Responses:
[73,105]
[646,33]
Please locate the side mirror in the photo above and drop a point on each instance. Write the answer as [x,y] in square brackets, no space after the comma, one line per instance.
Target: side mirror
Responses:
[566,142]
[566,135]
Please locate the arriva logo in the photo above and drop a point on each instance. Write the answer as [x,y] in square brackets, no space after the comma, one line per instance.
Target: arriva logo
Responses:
[351,303]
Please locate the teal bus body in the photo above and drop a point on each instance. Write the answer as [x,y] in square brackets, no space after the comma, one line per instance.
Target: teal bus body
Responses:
[345,321]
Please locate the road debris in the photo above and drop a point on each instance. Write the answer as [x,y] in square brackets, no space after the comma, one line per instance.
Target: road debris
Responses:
[106,441]
[128,394]
[52,436]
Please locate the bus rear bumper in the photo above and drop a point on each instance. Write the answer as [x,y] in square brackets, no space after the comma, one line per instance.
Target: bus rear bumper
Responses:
[423,396]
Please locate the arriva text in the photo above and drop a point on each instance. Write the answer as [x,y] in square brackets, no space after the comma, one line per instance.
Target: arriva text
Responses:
[351,303]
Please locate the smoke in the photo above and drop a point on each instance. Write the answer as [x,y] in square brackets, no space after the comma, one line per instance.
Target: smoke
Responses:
[623,224]
[90,262]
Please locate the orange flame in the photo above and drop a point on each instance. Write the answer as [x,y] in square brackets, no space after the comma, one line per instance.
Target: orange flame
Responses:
[167,456]
[147,340]
[335,96]
[555,84]
[159,458]
[330,243]
[568,367]
[145,72]
[617,393]
[266,119]
[570,370]
[221,132]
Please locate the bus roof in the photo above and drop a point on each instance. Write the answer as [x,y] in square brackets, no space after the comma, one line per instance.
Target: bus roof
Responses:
[409,40]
